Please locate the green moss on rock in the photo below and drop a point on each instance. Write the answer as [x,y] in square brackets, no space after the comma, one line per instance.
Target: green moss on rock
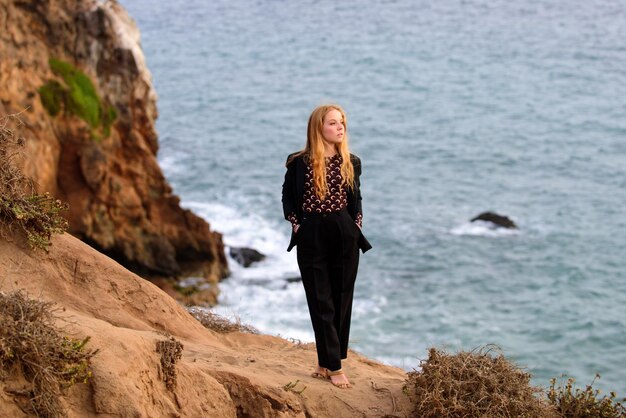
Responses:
[77,97]
[52,94]
[107,120]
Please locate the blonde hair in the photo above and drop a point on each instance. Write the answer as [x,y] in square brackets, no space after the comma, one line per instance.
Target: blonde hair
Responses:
[314,150]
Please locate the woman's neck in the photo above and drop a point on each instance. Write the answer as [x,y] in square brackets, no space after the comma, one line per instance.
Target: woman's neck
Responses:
[329,150]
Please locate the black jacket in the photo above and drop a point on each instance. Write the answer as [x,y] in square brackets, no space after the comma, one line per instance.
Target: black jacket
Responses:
[293,194]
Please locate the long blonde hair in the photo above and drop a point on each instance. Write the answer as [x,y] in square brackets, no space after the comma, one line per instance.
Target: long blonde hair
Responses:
[314,150]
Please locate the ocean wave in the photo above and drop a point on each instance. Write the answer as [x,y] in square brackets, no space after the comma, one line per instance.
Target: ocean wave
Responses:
[260,295]
[483,228]
[248,229]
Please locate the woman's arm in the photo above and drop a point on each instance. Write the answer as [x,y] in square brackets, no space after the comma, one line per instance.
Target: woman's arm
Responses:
[294,221]
[357,192]
[288,199]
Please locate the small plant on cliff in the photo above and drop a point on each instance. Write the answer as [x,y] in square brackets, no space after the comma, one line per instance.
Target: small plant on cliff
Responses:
[77,97]
[37,216]
[33,347]
[480,383]
[587,403]
[218,323]
[171,351]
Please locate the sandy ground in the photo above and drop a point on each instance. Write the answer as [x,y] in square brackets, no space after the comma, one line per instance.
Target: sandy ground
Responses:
[220,375]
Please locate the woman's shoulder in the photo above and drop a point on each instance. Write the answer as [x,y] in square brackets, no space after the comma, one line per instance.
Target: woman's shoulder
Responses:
[293,157]
[355,159]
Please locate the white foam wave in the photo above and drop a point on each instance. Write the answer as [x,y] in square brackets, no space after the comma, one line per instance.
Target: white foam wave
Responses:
[483,228]
[261,295]
[253,231]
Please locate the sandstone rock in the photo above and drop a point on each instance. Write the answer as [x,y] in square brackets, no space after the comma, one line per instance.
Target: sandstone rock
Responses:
[219,375]
[120,202]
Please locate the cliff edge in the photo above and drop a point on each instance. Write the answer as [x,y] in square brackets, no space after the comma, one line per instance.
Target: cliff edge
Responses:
[219,375]
[75,72]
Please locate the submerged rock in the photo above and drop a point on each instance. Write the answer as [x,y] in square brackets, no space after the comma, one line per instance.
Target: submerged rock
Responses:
[497,220]
[246,256]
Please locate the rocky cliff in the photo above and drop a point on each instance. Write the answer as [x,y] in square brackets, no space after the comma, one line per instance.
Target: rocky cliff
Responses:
[75,72]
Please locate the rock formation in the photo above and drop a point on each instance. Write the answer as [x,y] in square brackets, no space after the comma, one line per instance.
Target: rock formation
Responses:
[246,256]
[94,143]
[497,220]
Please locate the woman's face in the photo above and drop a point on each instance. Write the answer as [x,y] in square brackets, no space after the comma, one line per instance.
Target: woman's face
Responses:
[333,129]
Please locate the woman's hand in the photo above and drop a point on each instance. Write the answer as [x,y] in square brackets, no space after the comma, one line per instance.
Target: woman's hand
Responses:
[295,228]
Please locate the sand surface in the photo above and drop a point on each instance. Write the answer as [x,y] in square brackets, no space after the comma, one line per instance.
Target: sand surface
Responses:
[220,375]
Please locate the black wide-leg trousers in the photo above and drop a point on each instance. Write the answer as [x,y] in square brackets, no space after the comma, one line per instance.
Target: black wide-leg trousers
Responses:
[328,258]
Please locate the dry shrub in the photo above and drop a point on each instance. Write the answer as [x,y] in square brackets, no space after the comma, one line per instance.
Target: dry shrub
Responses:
[171,351]
[30,344]
[37,216]
[585,403]
[480,383]
[218,323]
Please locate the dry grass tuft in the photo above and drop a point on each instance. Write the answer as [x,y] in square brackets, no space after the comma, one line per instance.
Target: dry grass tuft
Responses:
[587,403]
[30,344]
[36,216]
[218,323]
[480,383]
[171,351]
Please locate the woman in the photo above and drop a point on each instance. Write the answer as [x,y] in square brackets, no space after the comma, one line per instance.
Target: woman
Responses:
[322,200]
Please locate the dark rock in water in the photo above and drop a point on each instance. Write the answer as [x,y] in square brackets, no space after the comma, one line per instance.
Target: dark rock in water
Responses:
[246,256]
[293,279]
[494,218]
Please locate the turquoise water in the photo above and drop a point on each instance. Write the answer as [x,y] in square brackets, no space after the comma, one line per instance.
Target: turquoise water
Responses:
[455,108]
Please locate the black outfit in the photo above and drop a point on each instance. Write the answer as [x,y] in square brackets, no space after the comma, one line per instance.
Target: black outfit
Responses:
[328,242]
[293,194]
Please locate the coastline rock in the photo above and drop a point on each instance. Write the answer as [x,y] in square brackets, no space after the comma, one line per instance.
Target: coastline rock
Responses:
[246,256]
[497,220]
[120,202]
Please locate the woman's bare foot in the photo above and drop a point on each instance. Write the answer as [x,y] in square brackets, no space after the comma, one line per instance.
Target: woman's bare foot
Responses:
[339,379]
[320,372]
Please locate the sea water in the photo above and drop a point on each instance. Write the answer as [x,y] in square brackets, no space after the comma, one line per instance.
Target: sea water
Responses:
[455,107]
